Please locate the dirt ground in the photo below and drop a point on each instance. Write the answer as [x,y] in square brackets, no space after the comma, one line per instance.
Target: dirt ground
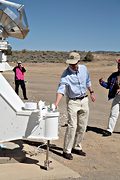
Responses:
[103,153]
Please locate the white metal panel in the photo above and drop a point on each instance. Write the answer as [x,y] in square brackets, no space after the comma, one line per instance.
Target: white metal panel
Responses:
[18,123]
[13,126]
[8,93]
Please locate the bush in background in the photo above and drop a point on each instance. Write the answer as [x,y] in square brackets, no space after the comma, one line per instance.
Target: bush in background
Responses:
[89,57]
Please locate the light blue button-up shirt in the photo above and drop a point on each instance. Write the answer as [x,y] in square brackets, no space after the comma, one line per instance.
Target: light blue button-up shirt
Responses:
[74,84]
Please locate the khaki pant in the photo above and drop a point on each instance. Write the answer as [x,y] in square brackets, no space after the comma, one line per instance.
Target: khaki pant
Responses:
[78,113]
[114,113]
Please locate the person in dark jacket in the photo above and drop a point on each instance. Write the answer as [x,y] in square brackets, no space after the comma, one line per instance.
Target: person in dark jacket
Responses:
[19,71]
[113,84]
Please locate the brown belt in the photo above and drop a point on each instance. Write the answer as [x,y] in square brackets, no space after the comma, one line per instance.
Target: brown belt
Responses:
[79,98]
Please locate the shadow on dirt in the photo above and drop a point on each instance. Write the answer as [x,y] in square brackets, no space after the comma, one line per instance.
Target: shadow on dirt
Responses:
[95,129]
[56,150]
[98,130]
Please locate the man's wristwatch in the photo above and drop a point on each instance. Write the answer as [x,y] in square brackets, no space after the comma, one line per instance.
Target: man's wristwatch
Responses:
[91,92]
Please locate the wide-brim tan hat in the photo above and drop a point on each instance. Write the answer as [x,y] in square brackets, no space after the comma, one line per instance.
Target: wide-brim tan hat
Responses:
[73,58]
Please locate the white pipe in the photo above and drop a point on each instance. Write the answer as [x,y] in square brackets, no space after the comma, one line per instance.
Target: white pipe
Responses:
[12,4]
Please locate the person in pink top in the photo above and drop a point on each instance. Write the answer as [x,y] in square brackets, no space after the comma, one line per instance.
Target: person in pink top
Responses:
[19,71]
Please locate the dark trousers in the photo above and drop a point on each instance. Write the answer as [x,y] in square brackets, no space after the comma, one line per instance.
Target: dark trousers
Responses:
[22,84]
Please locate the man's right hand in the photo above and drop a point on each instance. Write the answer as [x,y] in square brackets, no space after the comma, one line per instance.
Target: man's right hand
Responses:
[100,80]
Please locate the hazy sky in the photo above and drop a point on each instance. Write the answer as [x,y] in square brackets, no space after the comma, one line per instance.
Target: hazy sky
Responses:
[65,25]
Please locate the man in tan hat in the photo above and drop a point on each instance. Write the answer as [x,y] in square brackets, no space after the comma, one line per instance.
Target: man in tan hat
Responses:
[19,71]
[113,84]
[75,81]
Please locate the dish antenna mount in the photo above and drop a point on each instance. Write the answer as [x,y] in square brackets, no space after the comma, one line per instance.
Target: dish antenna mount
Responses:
[13,23]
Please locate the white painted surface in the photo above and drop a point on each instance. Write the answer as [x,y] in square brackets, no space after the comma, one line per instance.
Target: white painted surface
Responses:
[17,123]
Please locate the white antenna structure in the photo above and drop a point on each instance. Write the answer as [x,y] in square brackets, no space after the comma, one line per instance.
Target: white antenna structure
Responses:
[13,23]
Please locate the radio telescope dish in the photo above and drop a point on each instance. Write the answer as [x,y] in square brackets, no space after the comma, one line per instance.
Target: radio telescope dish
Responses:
[13,23]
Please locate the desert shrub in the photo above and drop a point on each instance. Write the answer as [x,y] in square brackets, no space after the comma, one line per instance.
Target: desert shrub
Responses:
[89,57]
[24,51]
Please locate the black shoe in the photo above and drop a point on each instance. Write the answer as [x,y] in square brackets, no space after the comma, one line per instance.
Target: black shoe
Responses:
[67,156]
[26,98]
[107,133]
[78,152]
